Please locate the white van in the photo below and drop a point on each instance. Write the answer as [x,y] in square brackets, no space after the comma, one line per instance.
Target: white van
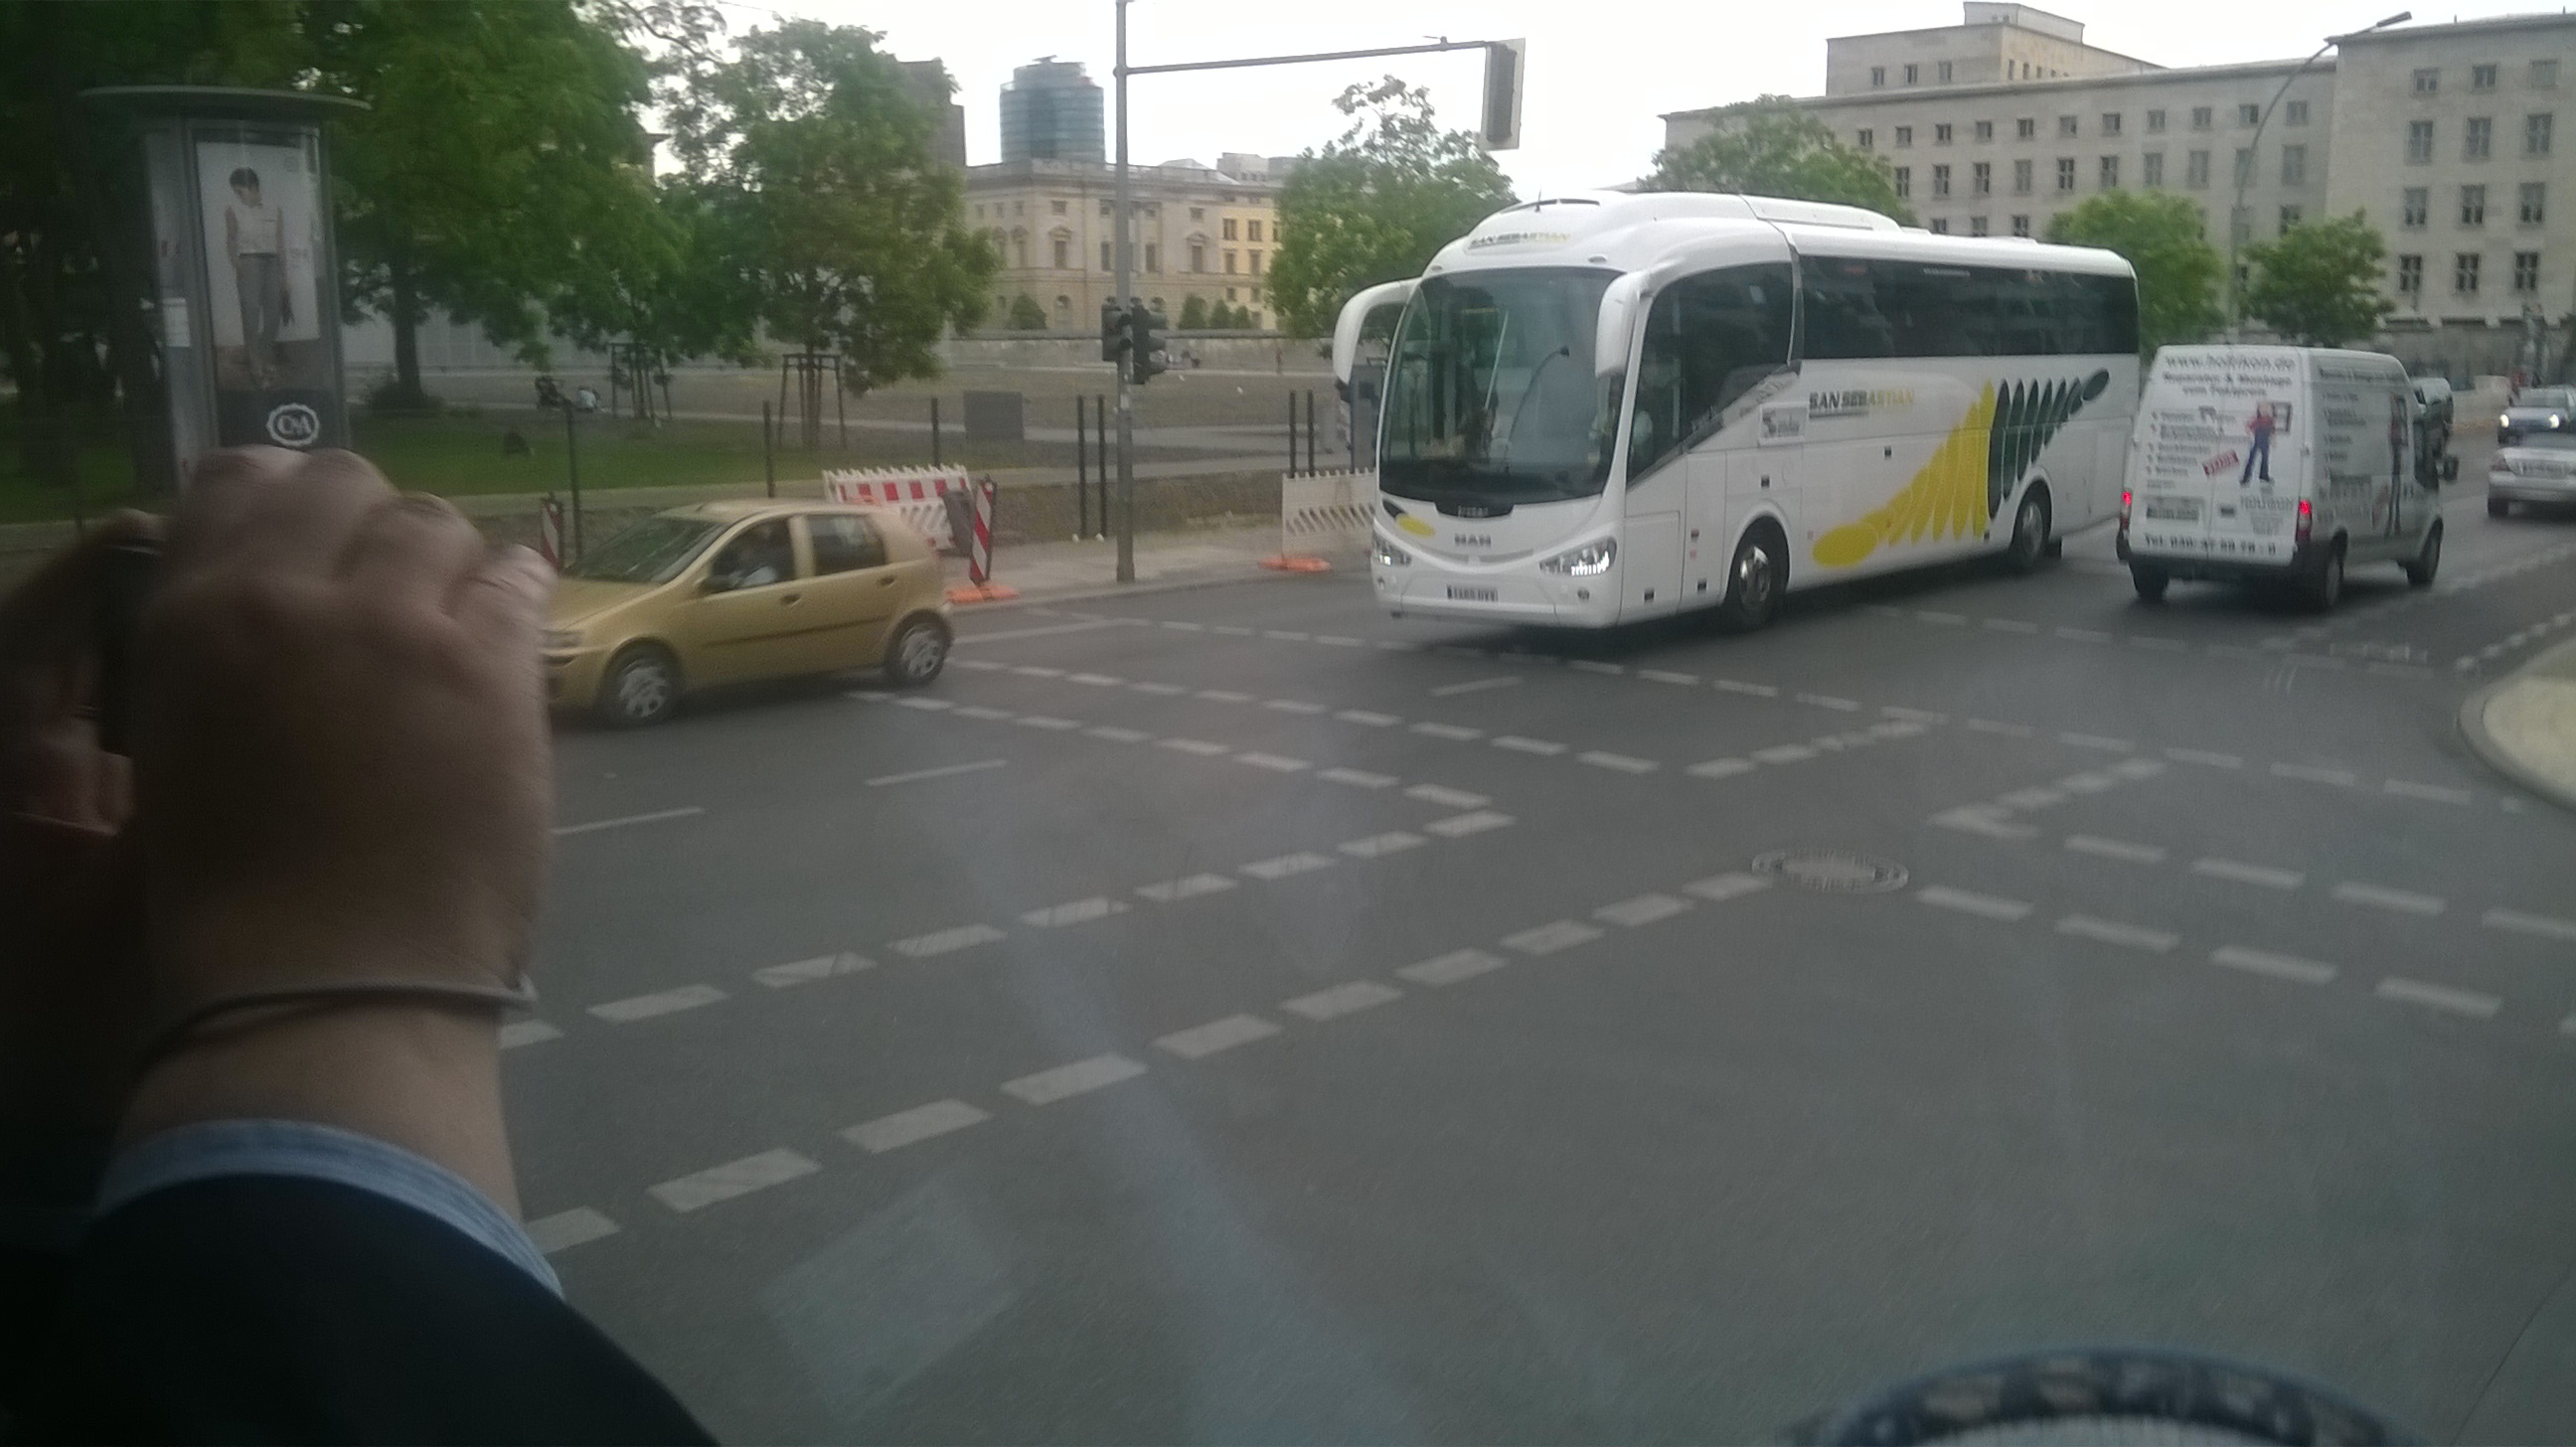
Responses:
[2283,464]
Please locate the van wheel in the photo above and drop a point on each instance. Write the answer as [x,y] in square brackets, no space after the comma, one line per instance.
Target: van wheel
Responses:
[2497,508]
[2419,573]
[2325,588]
[2030,534]
[2150,583]
[1754,580]
[916,652]
[642,687]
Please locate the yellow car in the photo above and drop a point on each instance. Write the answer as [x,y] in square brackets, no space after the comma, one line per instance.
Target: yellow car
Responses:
[731,592]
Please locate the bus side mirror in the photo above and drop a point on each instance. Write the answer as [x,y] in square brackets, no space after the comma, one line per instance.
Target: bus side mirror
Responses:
[1619,303]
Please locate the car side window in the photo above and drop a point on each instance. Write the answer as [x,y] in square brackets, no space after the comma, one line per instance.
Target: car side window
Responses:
[843,542]
[758,556]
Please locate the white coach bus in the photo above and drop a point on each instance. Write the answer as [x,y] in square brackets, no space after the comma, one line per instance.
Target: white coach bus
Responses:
[1601,408]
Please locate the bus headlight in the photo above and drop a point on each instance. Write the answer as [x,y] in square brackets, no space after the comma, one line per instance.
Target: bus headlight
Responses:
[1590,560]
[1389,555]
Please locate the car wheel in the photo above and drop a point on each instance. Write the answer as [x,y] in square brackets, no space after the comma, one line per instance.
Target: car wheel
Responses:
[916,652]
[642,687]
[1753,581]
[2150,583]
[2325,589]
[2419,573]
[2497,507]
[2030,534]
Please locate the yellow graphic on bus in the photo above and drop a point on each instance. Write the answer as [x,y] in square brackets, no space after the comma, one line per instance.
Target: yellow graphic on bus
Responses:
[1946,499]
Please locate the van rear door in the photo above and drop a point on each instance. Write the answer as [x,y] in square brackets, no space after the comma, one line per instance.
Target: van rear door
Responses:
[2216,472]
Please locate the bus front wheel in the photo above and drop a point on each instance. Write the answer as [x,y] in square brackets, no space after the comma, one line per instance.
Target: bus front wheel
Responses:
[1754,580]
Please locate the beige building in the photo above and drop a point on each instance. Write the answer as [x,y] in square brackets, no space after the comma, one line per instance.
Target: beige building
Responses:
[2441,135]
[1198,231]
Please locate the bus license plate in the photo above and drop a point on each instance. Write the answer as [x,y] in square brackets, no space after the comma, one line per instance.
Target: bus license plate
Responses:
[1463,594]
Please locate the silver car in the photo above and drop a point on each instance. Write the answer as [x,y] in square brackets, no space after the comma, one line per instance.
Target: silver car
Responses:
[2536,469]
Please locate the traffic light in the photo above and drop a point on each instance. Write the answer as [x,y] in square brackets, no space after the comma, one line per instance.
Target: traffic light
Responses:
[1501,122]
[1145,355]
[1113,332]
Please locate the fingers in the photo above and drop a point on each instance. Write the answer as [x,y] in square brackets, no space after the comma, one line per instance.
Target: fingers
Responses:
[268,510]
[503,601]
[412,547]
[54,608]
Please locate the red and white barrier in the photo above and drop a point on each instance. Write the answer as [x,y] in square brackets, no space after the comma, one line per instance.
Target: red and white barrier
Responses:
[913,492]
[550,531]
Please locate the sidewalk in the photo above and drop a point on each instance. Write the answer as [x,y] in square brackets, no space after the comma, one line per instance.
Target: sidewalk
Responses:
[1060,572]
[2525,725]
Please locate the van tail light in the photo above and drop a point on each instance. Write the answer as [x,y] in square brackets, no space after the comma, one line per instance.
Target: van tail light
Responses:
[2307,519]
[2124,509]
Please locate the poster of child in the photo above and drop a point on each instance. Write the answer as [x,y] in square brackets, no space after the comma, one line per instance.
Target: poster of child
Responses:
[262,237]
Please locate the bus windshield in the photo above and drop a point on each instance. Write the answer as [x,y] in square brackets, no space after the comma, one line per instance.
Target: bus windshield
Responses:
[1490,393]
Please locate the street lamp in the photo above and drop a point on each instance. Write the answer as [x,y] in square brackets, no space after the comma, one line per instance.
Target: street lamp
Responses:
[551,397]
[2253,158]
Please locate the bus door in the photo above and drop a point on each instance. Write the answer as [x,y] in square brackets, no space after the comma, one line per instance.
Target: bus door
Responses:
[1713,370]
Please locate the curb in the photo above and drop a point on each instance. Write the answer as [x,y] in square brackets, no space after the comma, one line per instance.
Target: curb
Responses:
[2492,753]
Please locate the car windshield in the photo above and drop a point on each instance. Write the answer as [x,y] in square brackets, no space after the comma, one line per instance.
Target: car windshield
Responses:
[2545,399]
[1490,392]
[651,551]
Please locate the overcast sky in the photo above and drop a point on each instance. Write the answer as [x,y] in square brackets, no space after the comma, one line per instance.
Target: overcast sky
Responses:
[1600,71]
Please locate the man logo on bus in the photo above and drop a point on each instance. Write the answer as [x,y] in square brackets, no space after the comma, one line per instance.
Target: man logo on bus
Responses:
[1977,466]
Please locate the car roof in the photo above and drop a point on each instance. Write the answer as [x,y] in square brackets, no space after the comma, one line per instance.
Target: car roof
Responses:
[734,510]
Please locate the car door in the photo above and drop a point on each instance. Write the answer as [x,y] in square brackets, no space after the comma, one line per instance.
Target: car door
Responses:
[851,598]
[748,611]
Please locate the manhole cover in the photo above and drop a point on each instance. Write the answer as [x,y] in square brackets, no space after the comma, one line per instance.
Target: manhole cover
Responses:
[1833,871]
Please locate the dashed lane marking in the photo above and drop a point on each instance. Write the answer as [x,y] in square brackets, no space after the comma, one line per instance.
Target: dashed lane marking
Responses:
[2381,897]
[1191,887]
[926,705]
[1592,666]
[1508,680]
[1450,968]
[2008,730]
[1379,845]
[984,711]
[1201,747]
[734,1178]
[943,772]
[1161,690]
[806,972]
[2035,797]
[2472,1003]
[2544,926]
[1274,762]
[1046,1087]
[527,1032]
[1461,825]
[564,1230]
[1645,909]
[1046,721]
[1339,640]
[1095,680]
[1721,768]
[2205,758]
[1520,745]
[1365,716]
[1666,675]
[1117,735]
[1547,939]
[665,1002]
[2118,849]
[2436,793]
[1735,685]
[1080,911]
[1454,732]
[1827,700]
[1293,705]
[1222,695]
[1286,865]
[2096,741]
[2237,872]
[2111,932]
[1719,888]
[1446,797]
[2314,774]
[657,816]
[1988,820]
[946,942]
[1784,753]
[1341,1000]
[1200,1041]
[1622,763]
[1048,631]
[1985,906]
[1288,635]
[1356,778]
[2272,966]
[1914,715]
[1033,670]
[911,1127]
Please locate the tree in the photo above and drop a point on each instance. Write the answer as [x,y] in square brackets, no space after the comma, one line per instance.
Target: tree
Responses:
[1026,315]
[1194,314]
[2160,236]
[849,233]
[2319,284]
[1769,146]
[1376,204]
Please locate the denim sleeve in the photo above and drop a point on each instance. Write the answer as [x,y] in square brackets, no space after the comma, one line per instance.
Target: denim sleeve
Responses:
[213,1149]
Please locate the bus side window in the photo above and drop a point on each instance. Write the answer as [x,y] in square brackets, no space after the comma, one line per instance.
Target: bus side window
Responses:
[1709,339]
[1843,318]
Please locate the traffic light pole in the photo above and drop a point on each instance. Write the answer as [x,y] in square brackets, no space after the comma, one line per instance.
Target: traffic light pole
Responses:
[1126,397]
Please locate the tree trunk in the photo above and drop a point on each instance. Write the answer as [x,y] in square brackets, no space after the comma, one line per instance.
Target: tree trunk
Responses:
[123,261]
[40,453]
[406,320]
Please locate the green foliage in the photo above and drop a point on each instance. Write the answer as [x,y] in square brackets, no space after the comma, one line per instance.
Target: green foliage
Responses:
[2319,284]
[1194,314]
[1375,205]
[2160,236]
[1026,315]
[1769,146]
[843,227]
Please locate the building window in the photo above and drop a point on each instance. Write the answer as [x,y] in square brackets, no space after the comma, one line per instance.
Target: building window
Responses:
[1252,232]
[2480,141]
[1866,139]
[1104,256]
[2410,276]
[1982,178]
[1977,226]
[2294,165]
[2544,75]
[1063,254]
[2526,272]
[1940,181]
[1198,213]
[2534,208]
[2195,170]
[2151,169]
[2289,218]
[1904,179]
[1913,75]
[2110,173]
[2295,113]
[2026,128]
[2473,205]
[1253,260]
[2427,81]
[1229,293]
[1945,72]
[2464,273]
[2068,126]
[2021,178]
[1229,231]
[1153,258]
[2249,114]
[2415,206]
[1941,134]
[1878,75]
[2419,141]
[2110,123]
[2535,133]
[1940,225]
[1198,257]
[1229,262]
[2482,77]
[1056,206]
[1985,130]
[2066,173]
[2240,224]
[1019,251]
[2021,226]
[2200,118]
[1104,209]
[2244,164]
[2155,123]
[1905,135]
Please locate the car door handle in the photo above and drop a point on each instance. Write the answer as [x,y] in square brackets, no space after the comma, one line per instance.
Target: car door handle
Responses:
[789,600]
[885,582]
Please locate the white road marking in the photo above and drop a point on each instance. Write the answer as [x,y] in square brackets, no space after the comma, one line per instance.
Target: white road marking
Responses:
[1080,911]
[1827,700]
[665,1002]
[1757,690]
[2272,966]
[2083,635]
[1338,640]
[2011,625]
[982,711]
[1927,615]
[1723,887]
[1341,1000]
[1982,819]
[1200,747]
[1903,728]
[1117,735]
[1287,635]
[1190,887]
[1720,768]
[734,1178]
[1459,826]
[2121,850]
[2008,730]
[1784,753]
[1520,745]
[2382,897]
[979,665]
[1357,778]
[1096,680]
[1365,716]
[1377,845]
[1222,695]
[1303,862]
[2205,757]
[2138,769]
[1045,632]
[2096,741]
[656,817]
[2111,932]
[946,942]
[1160,690]
[564,1230]
[527,1032]
[1200,1041]
[2436,793]
[1275,762]
[1451,968]
[2471,1003]
[1293,705]
[1985,906]
[2240,873]
[805,972]
[911,1127]
[1547,939]
[1047,1087]
[1621,762]
[2341,778]
[2087,783]
[918,775]
[926,705]
[2031,798]
[1666,675]
[1645,909]
[1230,630]
[1448,731]
[1916,715]
[2545,926]
[1478,686]
[1043,721]
[1031,670]
[1443,795]
[1589,666]
[1183,627]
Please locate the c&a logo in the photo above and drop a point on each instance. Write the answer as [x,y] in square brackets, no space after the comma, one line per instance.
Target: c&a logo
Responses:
[292,424]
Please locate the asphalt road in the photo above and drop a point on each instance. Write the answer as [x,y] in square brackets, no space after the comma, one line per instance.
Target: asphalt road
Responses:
[1235,1014]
